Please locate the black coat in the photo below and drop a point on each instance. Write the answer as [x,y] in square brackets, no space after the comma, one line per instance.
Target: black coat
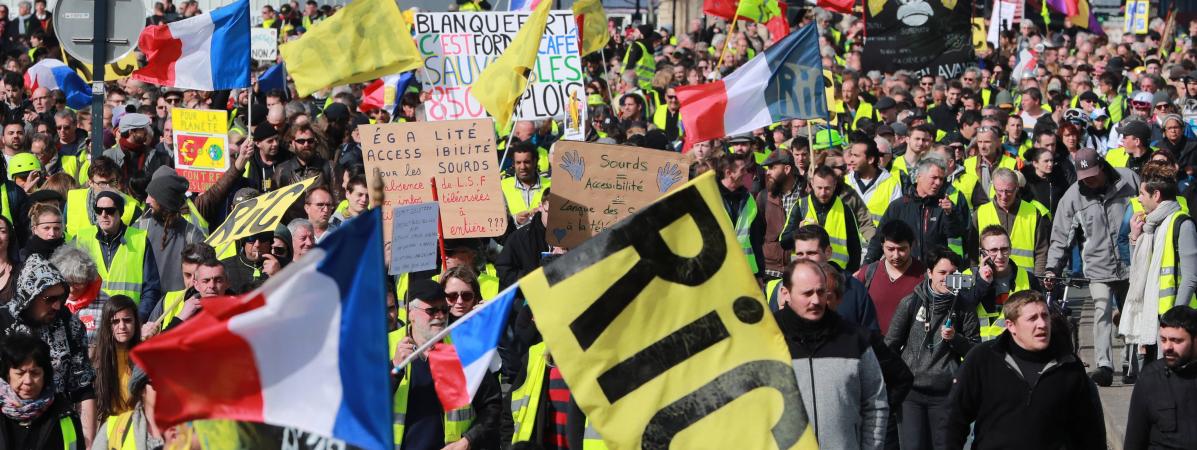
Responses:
[1047,191]
[931,224]
[44,432]
[1161,408]
[1060,411]
[521,251]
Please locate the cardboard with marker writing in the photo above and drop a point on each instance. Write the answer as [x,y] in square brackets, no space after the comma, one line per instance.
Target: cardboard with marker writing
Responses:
[460,154]
[597,185]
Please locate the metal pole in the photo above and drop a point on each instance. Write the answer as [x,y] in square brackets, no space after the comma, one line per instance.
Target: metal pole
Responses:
[99,57]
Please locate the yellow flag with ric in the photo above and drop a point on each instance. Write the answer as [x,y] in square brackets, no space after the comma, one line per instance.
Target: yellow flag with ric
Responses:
[503,81]
[663,335]
[366,40]
[592,25]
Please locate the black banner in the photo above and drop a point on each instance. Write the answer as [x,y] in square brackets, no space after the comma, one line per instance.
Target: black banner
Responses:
[922,36]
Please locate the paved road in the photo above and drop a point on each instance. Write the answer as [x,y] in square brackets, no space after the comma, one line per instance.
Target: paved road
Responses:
[1115,400]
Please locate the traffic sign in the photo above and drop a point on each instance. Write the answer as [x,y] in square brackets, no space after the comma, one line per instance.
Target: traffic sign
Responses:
[74,24]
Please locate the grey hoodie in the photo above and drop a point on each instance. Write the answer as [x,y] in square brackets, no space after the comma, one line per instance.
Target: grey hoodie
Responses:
[1098,218]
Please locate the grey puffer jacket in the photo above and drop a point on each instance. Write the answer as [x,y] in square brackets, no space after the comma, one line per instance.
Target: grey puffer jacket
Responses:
[1097,217]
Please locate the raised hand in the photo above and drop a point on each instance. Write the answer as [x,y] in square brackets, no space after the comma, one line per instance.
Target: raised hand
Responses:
[574,164]
[668,176]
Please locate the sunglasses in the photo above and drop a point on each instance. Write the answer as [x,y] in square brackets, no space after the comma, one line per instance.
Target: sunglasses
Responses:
[109,211]
[453,296]
[305,141]
[278,251]
[433,310]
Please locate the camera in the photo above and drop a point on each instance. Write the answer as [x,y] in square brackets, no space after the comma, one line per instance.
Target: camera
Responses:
[958,281]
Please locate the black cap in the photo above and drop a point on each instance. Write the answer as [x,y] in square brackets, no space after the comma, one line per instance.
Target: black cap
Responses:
[885,103]
[264,132]
[336,112]
[1089,96]
[779,157]
[425,290]
[46,195]
[1136,128]
[1191,75]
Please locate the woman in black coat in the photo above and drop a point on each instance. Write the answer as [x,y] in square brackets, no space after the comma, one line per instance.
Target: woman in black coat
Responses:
[33,418]
[1045,182]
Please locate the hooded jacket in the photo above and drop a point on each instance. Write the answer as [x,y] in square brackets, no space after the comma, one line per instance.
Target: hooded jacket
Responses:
[1096,216]
[914,333]
[1162,408]
[64,334]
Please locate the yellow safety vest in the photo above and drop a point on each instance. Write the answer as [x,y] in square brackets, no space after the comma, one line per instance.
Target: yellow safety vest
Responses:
[591,440]
[195,218]
[457,421]
[965,184]
[124,277]
[661,119]
[1169,273]
[1137,206]
[864,110]
[1117,157]
[525,400]
[74,167]
[835,224]
[1022,237]
[744,230]
[771,293]
[970,164]
[879,196]
[167,300]
[77,216]
[994,323]
[515,197]
[898,167]
[119,430]
[646,67]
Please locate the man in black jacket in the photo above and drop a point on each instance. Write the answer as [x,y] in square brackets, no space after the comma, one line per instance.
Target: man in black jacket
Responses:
[523,246]
[734,178]
[1025,389]
[1165,398]
[932,214]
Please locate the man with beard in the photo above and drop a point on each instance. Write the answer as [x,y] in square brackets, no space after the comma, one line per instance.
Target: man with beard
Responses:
[1165,398]
[269,154]
[308,146]
[132,152]
[167,232]
[782,192]
[825,208]
[734,178]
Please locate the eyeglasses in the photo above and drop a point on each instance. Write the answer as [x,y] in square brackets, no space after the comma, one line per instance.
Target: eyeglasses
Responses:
[305,141]
[106,211]
[322,205]
[278,251]
[433,310]
[464,295]
[998,251]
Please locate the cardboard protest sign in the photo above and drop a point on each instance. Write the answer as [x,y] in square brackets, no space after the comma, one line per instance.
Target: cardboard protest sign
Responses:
[597,185]
[414,241]
[649,365]
[201,145]
[263,43]
[457,46]
[257,215]
[923,37]
[461,156]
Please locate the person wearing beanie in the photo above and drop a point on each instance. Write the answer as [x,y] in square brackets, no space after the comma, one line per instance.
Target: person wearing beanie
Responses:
[134,151]
[167,229]
[121,253]
[268,154]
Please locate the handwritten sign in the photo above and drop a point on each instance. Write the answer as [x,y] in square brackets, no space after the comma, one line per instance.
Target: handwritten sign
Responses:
[461,156]
[201,143]
[413,243]
[257,215]
[263,43]
[457,46]
[597,185]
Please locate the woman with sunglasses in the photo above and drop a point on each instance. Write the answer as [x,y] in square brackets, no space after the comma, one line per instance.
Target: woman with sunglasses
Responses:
[461,291]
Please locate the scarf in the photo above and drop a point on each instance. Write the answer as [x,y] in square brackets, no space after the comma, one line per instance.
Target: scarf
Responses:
[1140,321]
[22,410]
[39,246]
[86,297]
[941,303]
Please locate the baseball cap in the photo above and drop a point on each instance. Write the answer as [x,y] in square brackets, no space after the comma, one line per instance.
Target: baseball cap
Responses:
[1088,96]
[741,139]
[1087,162]
[1136,128]
[1142,97]
[425,289]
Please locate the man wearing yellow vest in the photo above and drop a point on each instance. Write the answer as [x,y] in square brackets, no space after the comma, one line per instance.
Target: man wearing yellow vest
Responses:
[420,421]
[1135,149]
[103,174]
[524,191]
[1028,225]
[919,143]
[669,119]
[825,208]
[997,277]
[878,188]
[122,256]
[1163,261]
[639,57]
[989,158]
[734,179]
[166,229]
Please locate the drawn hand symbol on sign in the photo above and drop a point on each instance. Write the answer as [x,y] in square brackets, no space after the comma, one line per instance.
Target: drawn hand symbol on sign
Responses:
[668,176]
[574,164]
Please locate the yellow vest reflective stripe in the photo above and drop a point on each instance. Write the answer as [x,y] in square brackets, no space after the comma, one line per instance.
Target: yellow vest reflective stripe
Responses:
[167,300]
[1117,157]
[195,218]
[69,440]
[837,228]
[77,215]
[1022,237]
[993,323]
[771,293]
[879,196]
[119,429]
[515,197]
[525,400]
[744,230]
[591,440]
[1169,273]
[646,67]
[457,421]
[124,277]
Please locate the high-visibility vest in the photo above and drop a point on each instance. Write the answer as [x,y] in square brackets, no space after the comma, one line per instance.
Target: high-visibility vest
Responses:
[77,216]
[515,197]
[772,291]
[1117,108]
[5,208]
[994,323]
[646,67]
[955,243]
[1137,206]
[836,226]
[965,184]
[970,164]
[124,276]
[489,285]
[1022,236]
[120,432]
[525,400]
[878,197]
[865,109]
[986,95]
[1118,157]
[457,421]
[661,120]
[744,230]
[195,218]
[1169,272]
[591,440]
[898,167]
[167,301]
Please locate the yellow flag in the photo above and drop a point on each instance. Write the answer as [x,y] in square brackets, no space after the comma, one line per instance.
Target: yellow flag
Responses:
[592,25]
[503,81]
[663,335]
[366,40]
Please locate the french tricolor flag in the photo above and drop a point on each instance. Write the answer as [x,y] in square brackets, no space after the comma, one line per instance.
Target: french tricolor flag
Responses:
[307,350]
[207,52]
[783,82]
[54,74]
[458,368]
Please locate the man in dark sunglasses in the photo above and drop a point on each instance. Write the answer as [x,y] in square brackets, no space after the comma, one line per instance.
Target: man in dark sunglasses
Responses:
[122,254]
